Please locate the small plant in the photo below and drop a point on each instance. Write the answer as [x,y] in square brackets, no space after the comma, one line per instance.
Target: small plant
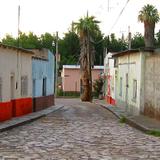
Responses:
[122,120]
[155,133]
[97,85]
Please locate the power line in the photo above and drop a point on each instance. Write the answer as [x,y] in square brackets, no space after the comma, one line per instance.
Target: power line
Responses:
[119,16]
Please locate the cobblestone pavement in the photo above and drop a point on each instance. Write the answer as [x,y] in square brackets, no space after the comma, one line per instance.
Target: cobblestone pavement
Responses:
[79,131]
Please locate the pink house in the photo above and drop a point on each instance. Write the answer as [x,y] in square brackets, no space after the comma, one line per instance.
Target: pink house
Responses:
[71,77]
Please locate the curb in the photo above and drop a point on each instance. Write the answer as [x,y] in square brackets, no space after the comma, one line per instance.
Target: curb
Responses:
[129,121]
[19,121]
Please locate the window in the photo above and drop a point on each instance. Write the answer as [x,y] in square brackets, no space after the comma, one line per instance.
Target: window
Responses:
[24,86]
[120,91]
[0,89]
[44,87]
[134,89]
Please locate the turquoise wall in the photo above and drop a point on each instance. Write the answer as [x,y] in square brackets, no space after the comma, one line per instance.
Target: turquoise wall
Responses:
[43,69]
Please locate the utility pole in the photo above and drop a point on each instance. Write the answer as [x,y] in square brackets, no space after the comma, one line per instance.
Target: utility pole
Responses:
[108,6]
[129,38]
[56,86]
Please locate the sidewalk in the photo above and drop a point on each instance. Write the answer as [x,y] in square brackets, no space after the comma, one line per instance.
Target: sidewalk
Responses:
[14,122]
[140,122]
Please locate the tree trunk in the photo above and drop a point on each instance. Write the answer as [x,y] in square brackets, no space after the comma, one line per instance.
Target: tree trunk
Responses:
[86,88]
[149,34]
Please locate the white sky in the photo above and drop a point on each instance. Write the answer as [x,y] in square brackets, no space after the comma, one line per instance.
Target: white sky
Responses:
[40,16]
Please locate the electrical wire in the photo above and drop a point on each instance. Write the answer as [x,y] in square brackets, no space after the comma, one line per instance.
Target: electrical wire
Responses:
[119,16]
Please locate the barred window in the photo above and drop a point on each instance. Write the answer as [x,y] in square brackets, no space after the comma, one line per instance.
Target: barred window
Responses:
[44,87]
[134,89]
[24,86]
[0,89]
[120,90]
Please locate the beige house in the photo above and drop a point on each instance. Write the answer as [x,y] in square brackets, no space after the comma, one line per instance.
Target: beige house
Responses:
[128,80]
[71,77]
[15,82]
[136,81]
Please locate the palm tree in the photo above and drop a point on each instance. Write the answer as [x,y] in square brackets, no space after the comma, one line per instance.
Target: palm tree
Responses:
[85,28]
[149,16]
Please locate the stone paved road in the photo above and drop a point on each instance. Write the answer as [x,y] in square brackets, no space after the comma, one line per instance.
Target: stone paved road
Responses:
[79,131]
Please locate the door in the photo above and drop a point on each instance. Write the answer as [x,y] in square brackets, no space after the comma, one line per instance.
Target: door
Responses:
[12,92]
[126,97]
[34,94]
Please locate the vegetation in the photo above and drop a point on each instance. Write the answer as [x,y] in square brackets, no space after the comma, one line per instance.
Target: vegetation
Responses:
[97,85]
[149,16]
[73,44]
[154,133]
[86,28]
[123,119]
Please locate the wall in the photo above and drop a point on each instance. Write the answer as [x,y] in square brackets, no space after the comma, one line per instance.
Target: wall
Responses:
[71,78]
[15,63]
[110,85]
[43,68]
[130,64]
[152,85]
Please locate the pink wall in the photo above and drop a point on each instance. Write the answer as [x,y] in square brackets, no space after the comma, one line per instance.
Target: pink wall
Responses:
[71,78]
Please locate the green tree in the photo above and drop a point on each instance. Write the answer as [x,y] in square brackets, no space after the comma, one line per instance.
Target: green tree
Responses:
[30,41]
[115,45]
[9,40]
[48,41]
[158,39]
[99,48]
[137,41]
[86,28]
[69,48]
[149,16]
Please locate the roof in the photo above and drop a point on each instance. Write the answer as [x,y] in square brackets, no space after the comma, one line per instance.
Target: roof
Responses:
[78,66]
[16,48]
[117,54]
[40,53]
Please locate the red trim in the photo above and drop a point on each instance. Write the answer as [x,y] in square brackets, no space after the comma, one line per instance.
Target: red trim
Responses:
[22,106]
[110,100]
[5,111]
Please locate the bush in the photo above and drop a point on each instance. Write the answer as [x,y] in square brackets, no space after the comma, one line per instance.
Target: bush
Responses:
[97,85]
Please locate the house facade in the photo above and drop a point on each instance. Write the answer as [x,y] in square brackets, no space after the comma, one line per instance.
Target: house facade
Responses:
[15,82]
[43,62]
[136,81]
[150,99]
[71,77]
[110,77]
[128,80]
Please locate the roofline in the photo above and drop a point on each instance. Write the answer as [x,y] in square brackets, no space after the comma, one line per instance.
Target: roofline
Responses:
[16,48]
[117,54]
[78,67]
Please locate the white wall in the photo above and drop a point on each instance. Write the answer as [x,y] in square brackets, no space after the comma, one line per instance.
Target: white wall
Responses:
[131,64]
[17,65]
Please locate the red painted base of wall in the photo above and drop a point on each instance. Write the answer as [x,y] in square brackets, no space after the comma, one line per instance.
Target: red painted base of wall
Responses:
[22,106]
[110,100]
[5,111]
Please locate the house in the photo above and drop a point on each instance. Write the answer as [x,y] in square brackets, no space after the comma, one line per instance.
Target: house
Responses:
[43,62]
[15,82]
[136,81]
[128,80]
[71,77]
[109,77]
[150,94]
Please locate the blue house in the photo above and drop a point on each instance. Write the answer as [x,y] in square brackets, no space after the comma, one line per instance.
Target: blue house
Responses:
[43,63]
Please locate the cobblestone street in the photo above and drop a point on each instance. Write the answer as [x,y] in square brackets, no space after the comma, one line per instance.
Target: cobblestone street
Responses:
[79,131]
